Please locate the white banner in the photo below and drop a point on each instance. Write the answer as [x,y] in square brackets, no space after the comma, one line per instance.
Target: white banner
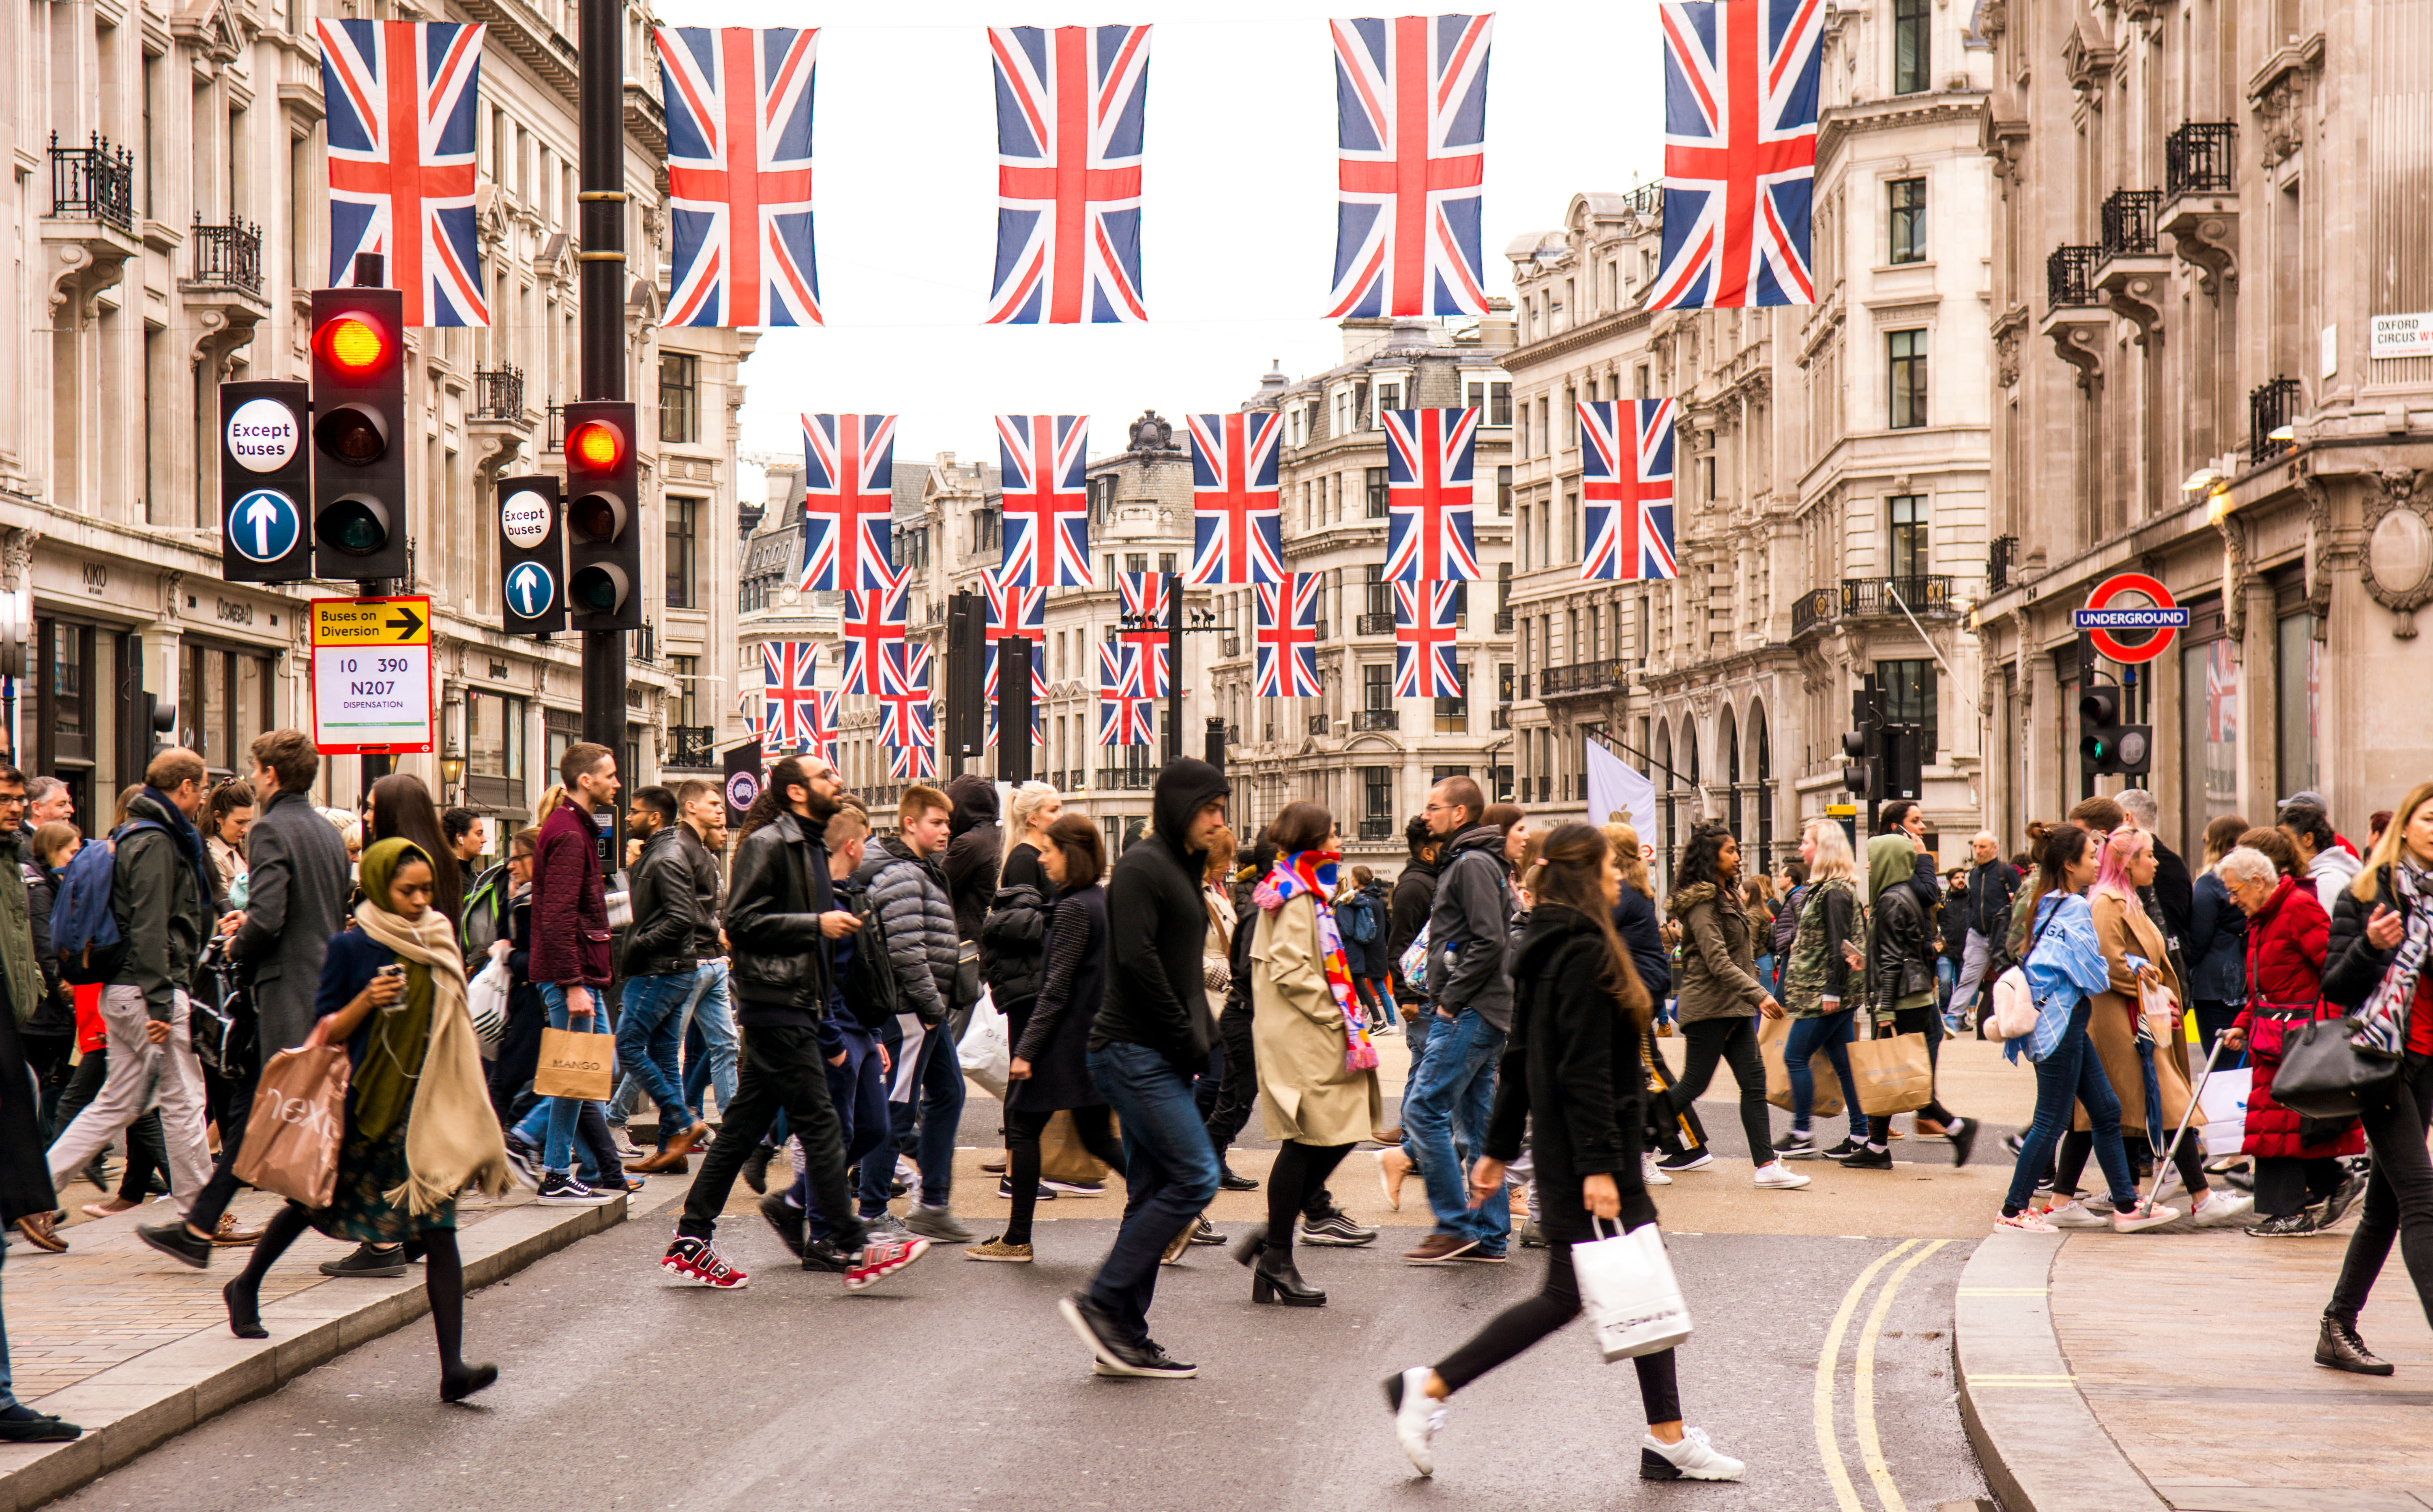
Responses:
[1618,793]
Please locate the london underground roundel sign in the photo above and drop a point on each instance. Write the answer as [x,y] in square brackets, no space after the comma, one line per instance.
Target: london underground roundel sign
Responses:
[2134,603]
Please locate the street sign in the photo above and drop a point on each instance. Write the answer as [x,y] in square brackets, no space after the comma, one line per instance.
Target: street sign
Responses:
[265,482]
[531,557]
[2159,614]
[531,589]
[262,525]
[372,687]
[526,516]
[263,435]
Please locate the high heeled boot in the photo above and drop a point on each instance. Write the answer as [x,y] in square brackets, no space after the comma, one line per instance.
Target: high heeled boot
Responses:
[1276,1279]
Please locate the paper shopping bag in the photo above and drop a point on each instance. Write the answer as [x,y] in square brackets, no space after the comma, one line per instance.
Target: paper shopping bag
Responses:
[1771,1033]
[1063,1157]
[575,1065]
[1628,1291]
[1892,1072]
[2224,1099]
[299,1120]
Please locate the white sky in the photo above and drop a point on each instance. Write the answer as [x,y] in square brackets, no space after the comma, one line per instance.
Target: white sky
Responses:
[1238,223]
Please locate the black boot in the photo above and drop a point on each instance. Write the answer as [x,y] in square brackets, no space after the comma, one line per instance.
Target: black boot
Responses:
[755,1166]
[1276,1279]
[2339,1347]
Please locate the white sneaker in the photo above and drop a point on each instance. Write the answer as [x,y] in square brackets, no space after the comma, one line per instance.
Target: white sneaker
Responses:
[2219,1207]
[2073,1215]
[1417,1415]
[1693,1459]
[1653,1174]
[1777,1176]
[2146,1215]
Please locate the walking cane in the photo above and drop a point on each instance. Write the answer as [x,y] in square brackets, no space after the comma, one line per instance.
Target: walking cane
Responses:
[2162,1156]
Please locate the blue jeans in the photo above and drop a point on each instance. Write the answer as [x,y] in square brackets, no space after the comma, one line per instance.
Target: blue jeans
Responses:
[8,1379]
[1946,976]
[710,1045]
[934,1095]
[1765,977]
[1829,1033]
[1453,1094]
[2074,1073]
[648,1034]
[1170,1174]
[557,1149]
[857,1090]
[1415,1034]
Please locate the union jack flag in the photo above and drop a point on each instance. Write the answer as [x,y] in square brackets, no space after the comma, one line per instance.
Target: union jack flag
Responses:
[1428,535]
[1126,710]
[1285,664]
[1626,487]
[1145,603]
[1038,697]
[1238,521]
[789,692]
[1739,152]
[1045,459]
[739,106]
[1423,639]
[910,763]
[2220,694]
[1013,610]
[848,502]
[906,718]
[824,724]
[747,703]
[404,98]
[1410,104]
[1069,104]
[872,622]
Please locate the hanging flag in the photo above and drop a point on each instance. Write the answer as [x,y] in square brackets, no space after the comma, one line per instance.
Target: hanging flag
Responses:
[747,703]
[872,622]
[738,112]
[1238,521]
[1044,459]
[1424,616]
[1285,638]
[1069,105]
[1013,610]
[1126,710]
[906,718]
[819,737]
[915,763]
[404,98]
[789,692]
[1145,601]
[1428,535]
[848,502]
[1038,697]
[1627,485]
[1410,105]
[1739,152]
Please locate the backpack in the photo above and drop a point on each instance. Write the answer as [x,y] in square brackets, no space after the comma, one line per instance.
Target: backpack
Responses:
[1364,918]
[872,993]
[84,928]
[486,908]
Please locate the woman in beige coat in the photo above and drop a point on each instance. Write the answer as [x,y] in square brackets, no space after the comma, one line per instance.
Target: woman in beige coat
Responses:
[1318,1070]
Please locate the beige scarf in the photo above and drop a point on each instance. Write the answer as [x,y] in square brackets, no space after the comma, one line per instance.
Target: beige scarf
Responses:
[451,1134]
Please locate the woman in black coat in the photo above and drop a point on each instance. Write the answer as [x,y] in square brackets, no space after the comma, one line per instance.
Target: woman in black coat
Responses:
[1049,1072]
[1571,1060]
[1682,1137]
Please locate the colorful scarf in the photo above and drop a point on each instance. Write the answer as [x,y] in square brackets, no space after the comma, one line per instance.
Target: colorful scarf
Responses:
[2382,1022]
[1313,873]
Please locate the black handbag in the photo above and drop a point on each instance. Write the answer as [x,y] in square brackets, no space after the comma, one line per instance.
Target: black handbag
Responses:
[2323,1076]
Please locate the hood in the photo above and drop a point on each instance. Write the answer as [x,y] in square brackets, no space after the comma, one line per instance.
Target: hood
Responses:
[1684,899]
[1552,927]
[1477,836]
[1187,786]
[894,847]
[1890,860]
[1433,868]
[974,801]
[2335,861]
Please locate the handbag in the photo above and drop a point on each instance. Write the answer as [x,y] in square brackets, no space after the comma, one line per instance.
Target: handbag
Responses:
[486,999]
[1062,1157]
[575,1065]
[298,1119]
[1892,1074]
[1629,1293]
[2323,1076]
[2016,1009]
[1771,1035]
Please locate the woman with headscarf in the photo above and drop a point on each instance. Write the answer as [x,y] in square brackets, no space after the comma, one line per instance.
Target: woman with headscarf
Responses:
[1900,971]
[419,1128]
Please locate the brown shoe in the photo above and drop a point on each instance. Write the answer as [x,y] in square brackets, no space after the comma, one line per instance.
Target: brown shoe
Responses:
[1393,1169]
[670,1157]
[999,1163]
[230,1233]
[1929,1128]
[1387,1136]
[1441,1249]
[41,1231]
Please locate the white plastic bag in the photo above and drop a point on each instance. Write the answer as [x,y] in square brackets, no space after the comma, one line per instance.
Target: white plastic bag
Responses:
[984,1050]
[1627,1289]
[485,998]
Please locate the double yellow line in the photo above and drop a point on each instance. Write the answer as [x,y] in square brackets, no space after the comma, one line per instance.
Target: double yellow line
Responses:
[1862,1388]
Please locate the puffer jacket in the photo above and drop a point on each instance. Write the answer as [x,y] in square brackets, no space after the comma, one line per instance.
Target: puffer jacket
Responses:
[910,892]
[1718,975]
[1014,939]
[779,962]
[2286,941]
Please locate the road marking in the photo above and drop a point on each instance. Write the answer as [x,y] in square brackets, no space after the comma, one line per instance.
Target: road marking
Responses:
[1862,1386]
[1828,1449]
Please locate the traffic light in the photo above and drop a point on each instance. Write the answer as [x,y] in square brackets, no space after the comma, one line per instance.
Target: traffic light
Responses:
[1856,777]
[531,557]
[604,556]
[265,477]
[359,510]
[2106,747]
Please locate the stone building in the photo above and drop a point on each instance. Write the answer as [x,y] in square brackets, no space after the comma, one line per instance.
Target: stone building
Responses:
[2209,289]
[170,216]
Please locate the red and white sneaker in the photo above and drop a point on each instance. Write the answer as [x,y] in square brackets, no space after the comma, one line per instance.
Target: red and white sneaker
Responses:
[693,1262]
[882,1258]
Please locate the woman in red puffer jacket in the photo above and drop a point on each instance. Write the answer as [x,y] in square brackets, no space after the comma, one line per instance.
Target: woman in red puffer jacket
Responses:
[2287,930]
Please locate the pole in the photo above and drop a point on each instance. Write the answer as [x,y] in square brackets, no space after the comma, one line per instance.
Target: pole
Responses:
[1173,666]
[2085,685]
[602,198]
[371,272]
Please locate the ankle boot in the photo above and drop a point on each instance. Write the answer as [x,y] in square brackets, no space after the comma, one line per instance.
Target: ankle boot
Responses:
[1276,1279]
[2337,1347]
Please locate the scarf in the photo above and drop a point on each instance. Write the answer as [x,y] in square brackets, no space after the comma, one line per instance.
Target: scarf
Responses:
[2382,1024]
[189,838]
[1313,873]
[451,1134]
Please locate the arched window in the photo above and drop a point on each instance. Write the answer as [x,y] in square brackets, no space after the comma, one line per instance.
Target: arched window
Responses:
[1764,793]
[1729,748]
[1665,781]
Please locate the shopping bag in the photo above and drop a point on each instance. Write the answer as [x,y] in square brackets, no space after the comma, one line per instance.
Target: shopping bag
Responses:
[575,1065]
[1628,1291]
[1892,1072]
[1063,1157]
[983,1049]
[1771,1033]
[2224,1099]
[298,1119]
[485,998]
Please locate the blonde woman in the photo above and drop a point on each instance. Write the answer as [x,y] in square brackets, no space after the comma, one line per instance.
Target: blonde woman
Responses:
[1823,983]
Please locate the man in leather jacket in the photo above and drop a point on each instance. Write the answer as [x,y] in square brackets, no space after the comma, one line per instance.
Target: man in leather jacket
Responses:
[659,965]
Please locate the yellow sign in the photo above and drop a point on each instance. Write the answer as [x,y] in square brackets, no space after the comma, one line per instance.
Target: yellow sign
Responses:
[401,621]
[1842,810]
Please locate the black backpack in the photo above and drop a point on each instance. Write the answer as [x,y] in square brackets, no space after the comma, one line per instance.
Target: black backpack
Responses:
[872,994]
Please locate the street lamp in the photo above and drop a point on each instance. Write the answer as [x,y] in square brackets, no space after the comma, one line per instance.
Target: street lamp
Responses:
[451,770]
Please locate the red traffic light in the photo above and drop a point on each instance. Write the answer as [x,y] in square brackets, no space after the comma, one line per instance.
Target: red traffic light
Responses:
[354,343]
[595,445]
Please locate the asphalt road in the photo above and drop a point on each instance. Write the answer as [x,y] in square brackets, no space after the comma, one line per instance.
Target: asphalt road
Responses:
[958,1385]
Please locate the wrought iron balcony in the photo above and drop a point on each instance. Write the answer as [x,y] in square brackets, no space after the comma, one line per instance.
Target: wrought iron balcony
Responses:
[1584,677]
[1997,562]
[93,182]
[1503,621]
[2198,158]
[556,427]
[499,393]
[1812,608]
[229,256]
[2131,228]
[1373,625]
[1125,779]
[1376,827]
[1317,723]
[1872,598]
[1376,719]
[692,746]
[2069,277]
[2270,407]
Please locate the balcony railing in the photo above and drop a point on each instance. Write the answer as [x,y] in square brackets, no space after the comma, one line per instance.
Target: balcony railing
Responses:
[1997,562]
[557,428]
[1317,724]
[2131,219]
[1812,608]
[499,393]
[1376,827]
[2069,276]
[1125,779]
[1373,625]
[1584,677]
[1875,597]
[2197,159]
[692,746]
[229,256]
[2269,406]
[1503,621]
[93,182]
[1376,719]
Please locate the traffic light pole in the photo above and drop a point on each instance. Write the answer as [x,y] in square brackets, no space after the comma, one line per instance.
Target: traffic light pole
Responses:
[602,196]
[371,272]
[1173,667]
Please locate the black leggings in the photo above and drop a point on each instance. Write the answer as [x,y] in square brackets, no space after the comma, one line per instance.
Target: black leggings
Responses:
[2188,1155]
[1022,1131]
[443,1278]
[1523,1324]
[2398,1193]
[1226,1105]
[1299,1174]
[1928,1022]
[1733,1041]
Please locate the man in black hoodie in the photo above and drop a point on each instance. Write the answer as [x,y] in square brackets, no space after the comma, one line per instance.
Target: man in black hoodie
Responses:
[1150,1040]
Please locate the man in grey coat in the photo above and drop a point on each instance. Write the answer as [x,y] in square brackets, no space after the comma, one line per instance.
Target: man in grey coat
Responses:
[296,900]
[909,892]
